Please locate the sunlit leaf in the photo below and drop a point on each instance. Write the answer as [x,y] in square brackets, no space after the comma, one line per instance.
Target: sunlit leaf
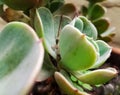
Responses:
[66,84]
[97,77]
[76,50]
[21,56]
[44,26]
[88,28]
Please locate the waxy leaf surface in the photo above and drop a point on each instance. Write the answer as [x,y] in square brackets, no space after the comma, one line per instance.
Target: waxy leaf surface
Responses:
[21,56]
[76,50]
[44,25]
[97,77]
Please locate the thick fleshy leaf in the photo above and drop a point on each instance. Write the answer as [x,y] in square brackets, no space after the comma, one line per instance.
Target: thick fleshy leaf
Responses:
[97,77]
[67,9]
[96,12]
[66,85]
[77,53]
[21,56]
[88,28]
[59,23]
[44,26]
[77,22]
[55,5]
[102,25]
[104,51]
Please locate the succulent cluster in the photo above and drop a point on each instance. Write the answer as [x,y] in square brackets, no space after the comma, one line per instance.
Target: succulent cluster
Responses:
[95,12]
[77,50]
[53,46]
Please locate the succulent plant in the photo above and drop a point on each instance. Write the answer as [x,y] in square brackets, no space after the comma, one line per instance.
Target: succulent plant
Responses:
[95,12]
[74,46]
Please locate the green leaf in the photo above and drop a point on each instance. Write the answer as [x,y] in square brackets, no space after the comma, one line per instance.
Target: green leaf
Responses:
[97,77]
[44,26]
[96,12]
[60,22]
[67,9]
[21,56]
[77,22]
[77,53]
[55,5]
[104,51]
[88,28]
[66,84]
[102,25]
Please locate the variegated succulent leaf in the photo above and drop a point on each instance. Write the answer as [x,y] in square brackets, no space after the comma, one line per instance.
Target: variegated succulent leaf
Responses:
[97,77]
[21,56]
[44,26]
[76,49]
[66,85]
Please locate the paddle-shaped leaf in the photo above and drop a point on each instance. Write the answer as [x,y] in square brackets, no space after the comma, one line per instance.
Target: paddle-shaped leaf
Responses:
[77,22]
[102,25]
[104,51]
[88,28]
[55,5]
[44,26]
[21,56]
[97,77]
[77,53]
[64,10]
[66,84]
[96,12]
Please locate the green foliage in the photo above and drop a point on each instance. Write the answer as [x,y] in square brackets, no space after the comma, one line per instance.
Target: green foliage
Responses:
[73,49]
[21,56]
[44,26]
[95,13]
[77,50]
